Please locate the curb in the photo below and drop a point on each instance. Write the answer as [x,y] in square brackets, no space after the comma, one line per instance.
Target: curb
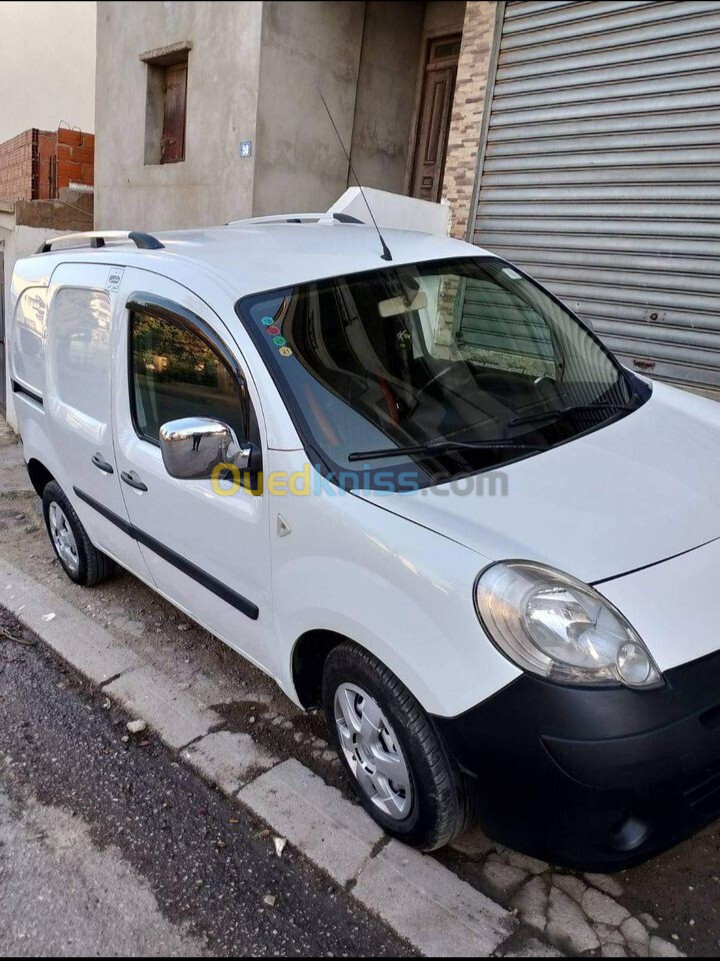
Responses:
[422,901]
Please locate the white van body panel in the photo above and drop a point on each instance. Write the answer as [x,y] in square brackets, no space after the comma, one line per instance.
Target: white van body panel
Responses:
[400,591]
[668,605]
[393,572]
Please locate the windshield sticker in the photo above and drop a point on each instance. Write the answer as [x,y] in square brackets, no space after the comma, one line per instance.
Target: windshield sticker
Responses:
[285,352]
[273,330]
[267,321]
[512,274]
[279,341]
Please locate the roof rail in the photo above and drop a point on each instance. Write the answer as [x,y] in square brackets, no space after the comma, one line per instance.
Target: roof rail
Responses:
[97,239]
[323,218]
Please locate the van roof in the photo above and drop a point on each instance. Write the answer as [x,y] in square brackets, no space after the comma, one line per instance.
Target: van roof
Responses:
[258,256]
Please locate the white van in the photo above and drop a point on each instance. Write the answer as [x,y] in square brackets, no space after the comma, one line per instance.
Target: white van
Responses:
[417,491]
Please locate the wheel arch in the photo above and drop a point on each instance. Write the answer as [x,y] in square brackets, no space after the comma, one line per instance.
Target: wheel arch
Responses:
[309,654]
[39,475]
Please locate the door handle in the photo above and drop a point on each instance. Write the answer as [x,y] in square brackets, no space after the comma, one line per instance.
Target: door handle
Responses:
[132,480]
[101,464]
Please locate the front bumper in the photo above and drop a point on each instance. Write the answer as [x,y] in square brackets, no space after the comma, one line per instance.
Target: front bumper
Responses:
[595,779]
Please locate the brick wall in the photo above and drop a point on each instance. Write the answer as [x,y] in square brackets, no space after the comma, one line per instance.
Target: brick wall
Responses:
[75,157]
[468,110]
[37,164]
[47,145]
[17,157]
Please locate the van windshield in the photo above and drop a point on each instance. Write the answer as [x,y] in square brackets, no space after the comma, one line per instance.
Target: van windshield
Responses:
[434,371]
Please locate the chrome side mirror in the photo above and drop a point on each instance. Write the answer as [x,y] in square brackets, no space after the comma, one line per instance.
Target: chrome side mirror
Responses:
[193,447]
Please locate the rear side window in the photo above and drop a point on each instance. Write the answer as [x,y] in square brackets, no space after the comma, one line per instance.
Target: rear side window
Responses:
[175,372]
[80,350]
[29,338]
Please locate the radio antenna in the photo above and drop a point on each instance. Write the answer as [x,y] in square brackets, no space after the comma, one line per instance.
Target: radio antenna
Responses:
[386,255]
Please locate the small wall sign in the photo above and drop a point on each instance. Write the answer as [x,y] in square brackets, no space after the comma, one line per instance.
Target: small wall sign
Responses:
[246,148]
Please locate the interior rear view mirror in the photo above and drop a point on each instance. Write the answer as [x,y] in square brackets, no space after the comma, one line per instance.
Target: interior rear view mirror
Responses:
[395,306]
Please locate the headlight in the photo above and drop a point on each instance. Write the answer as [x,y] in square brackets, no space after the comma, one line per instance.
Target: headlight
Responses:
[553,625]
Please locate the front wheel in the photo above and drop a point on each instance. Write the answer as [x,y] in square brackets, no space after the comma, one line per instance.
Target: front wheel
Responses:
[400,769]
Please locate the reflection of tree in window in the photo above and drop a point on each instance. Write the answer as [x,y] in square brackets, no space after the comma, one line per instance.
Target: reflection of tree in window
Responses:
[176,373]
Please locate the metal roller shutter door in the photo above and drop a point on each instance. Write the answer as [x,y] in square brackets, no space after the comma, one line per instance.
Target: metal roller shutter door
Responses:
[601,171]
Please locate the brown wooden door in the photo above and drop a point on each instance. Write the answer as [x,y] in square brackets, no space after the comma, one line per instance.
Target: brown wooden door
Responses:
[434,118]
[173,142]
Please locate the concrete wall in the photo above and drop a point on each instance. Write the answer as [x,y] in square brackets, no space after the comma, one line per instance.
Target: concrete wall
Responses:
[47,52]
[254,73]
[300,165]
[214,183]
[387,84]
[444,16]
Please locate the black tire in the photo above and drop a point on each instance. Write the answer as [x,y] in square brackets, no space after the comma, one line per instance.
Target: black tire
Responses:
[443,800]
[93,566]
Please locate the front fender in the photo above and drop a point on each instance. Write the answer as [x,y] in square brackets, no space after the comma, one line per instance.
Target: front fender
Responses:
[402,592]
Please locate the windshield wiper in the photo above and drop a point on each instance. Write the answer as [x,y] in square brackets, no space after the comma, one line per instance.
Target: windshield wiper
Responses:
[563,411]
[443,447]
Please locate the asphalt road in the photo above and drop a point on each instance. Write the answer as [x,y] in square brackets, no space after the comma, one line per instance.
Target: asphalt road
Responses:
[110,847]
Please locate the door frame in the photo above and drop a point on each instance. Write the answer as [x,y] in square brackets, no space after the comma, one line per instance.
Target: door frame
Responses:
[487,111]
[428,39]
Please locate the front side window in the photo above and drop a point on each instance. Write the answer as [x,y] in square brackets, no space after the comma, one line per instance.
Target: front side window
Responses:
[176,373]
[405,368]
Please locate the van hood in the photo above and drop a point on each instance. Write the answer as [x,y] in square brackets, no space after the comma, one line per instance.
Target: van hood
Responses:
[641,490]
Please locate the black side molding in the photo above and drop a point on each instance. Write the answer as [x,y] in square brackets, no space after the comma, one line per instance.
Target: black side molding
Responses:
[211,584]
[107,514]
[26,392]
